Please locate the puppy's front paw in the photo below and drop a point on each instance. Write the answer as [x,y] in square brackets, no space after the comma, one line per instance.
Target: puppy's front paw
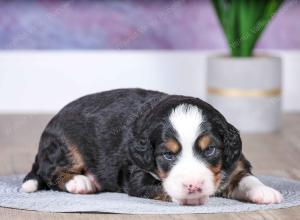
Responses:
[193,202]
[264,195]
[80,184]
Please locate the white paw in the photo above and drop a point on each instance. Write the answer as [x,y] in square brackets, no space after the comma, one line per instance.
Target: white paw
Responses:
[80,184]
[30,186]
[194,202]
[264,195]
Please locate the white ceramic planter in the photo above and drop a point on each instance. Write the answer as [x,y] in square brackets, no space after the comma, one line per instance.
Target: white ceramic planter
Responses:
[247,91]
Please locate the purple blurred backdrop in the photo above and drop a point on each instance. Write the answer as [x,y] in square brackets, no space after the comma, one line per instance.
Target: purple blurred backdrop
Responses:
[130,24]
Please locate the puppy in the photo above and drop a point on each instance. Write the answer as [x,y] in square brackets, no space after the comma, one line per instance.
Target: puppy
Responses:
[146,144]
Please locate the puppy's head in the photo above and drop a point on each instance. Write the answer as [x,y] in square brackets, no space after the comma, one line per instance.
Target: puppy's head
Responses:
[190,149]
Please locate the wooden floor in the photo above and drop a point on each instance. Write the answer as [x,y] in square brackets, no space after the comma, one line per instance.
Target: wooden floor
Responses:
[272,154]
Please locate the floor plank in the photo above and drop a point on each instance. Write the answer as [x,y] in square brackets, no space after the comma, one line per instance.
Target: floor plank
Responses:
[271,154]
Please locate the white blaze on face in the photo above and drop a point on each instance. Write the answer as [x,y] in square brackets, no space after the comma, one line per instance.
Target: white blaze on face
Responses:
[189,169]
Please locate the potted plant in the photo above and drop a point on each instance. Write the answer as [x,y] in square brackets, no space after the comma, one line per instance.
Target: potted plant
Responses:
[244,86]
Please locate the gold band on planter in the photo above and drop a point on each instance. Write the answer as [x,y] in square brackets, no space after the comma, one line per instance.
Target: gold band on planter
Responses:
[243,92]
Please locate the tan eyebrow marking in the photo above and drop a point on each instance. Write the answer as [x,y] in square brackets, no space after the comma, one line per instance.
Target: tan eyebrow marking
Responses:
[204,142]
[172,145]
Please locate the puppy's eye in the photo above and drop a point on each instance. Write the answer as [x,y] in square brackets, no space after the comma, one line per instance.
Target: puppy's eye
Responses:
[169,156]
[210,151]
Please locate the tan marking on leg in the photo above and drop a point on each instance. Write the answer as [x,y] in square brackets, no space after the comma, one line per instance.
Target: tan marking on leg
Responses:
[163,197]
[75,167]
[235,177]
[76,159]
[62,178]
[217,174]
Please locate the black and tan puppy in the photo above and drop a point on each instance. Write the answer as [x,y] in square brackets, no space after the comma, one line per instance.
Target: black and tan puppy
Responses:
[147,144]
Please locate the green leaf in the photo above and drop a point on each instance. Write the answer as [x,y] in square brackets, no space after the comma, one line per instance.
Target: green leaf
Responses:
[243,22]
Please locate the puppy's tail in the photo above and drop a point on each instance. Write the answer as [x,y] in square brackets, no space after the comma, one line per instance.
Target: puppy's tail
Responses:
[33,182]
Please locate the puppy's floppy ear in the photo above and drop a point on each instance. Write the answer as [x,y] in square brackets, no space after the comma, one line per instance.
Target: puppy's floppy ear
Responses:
[141,148]
[233,146]
[141,153]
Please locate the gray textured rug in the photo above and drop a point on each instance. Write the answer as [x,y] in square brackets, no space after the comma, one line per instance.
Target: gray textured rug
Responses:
[50,201]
